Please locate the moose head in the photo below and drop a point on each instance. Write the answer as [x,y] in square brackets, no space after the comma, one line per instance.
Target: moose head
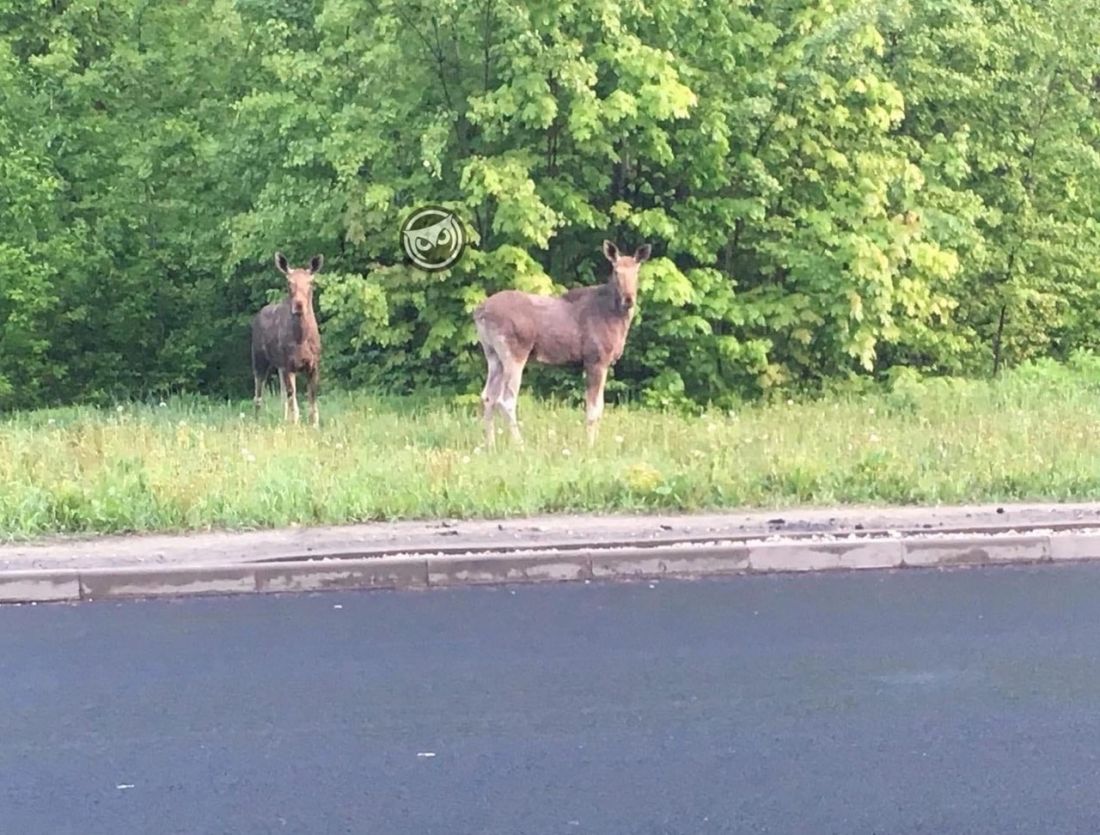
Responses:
[299,282]
[624,273]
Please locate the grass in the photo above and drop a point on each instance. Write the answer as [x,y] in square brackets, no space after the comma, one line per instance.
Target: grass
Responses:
[193,464]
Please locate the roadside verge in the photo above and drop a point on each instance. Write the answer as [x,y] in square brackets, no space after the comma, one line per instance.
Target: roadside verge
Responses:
[577,561]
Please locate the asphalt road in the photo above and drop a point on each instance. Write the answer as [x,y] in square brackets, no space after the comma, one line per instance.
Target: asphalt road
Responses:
[907,702]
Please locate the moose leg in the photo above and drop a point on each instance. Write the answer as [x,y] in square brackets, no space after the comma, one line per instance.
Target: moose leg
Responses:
[282,394]
[512,375]
[261,369]
[494,381]
[292,395]
[596,377]
[260,378]
[314,384]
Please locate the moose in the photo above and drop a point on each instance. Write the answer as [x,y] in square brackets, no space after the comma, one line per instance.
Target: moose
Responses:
[585,326]
[285,337]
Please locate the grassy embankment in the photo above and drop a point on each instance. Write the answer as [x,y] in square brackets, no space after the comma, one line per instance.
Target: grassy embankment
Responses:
[193,464]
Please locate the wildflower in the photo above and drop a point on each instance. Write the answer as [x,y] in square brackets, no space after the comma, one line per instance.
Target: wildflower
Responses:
[565,451]
[162,404]
[619,439]
[643,478]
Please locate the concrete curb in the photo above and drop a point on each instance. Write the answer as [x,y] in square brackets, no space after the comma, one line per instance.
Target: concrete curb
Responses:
[396,571]
[462,537]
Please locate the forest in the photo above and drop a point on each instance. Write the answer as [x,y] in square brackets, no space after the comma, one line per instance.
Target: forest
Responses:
[836,191]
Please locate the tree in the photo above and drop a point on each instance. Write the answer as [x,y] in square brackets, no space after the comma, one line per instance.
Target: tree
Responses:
[833,187]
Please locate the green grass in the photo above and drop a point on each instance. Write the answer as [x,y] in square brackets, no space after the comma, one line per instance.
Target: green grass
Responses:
[193,464]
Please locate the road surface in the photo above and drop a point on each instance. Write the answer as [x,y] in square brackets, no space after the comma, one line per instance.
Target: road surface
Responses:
[880,702]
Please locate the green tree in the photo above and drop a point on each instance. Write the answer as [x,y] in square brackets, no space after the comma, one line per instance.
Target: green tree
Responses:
[833,187]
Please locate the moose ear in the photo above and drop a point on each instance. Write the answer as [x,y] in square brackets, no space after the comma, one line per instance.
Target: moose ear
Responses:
[642,253]
[610,251]
[280,263]
[316,262]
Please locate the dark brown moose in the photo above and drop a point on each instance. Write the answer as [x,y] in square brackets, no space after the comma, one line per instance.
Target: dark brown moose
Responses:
[285,337]
[586,326]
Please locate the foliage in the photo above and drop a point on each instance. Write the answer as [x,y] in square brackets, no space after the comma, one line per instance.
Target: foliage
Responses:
[835,188]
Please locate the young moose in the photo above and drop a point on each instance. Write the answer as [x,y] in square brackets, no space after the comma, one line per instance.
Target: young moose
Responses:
[285,337]
[587,326]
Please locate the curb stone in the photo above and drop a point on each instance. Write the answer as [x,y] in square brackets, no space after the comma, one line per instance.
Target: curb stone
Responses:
[508,568]
[972,551]
[1084,546]
[31,586]
[397,571]
[671,562]
[160,581]
[821,556]
[321,575]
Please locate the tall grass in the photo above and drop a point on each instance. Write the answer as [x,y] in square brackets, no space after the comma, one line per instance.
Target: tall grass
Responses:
[193,464]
